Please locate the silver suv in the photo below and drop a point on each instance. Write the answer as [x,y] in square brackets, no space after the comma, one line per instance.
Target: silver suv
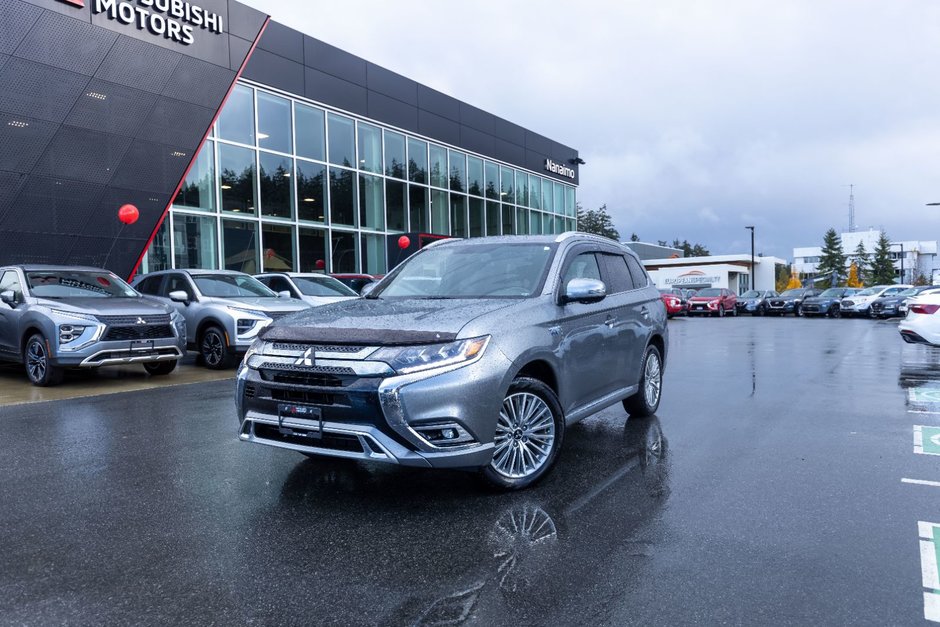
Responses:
[224,310]
[473,354]
[54,317]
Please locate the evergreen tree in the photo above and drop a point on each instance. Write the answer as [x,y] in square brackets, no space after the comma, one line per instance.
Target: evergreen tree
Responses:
[882,268]
[634,237]
[832,259]
[861,261]
[597,221]
[920,279]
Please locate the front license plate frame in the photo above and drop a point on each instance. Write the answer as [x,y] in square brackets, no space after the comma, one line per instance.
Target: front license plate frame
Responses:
[141,345]
[303,420]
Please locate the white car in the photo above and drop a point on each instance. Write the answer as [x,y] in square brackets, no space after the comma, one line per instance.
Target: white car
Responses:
[312,287]
[922,324]
[859,304]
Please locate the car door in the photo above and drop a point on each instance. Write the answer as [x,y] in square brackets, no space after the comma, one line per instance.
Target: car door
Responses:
[179,282]
[10,316]
[587,338]
[632,300]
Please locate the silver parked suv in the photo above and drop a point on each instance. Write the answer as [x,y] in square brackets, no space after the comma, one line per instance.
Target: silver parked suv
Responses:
[54,317]
[224,310]
[472,354]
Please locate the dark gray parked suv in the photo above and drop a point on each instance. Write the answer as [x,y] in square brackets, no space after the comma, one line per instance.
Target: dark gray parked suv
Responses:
[473,354]
[54,317]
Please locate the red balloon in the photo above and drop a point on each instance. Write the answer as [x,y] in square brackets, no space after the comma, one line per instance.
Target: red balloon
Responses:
[404,242]
[320,264]
[128,214]
[269,253]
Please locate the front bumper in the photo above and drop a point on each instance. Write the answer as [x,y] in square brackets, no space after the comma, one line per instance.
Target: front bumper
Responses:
[917,331]
[116,353]
[374,417]
[788,307]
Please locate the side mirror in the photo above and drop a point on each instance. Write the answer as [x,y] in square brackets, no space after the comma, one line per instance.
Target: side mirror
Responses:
[368,287]
[8,297]
[179,296]
[584,291]
[284,294]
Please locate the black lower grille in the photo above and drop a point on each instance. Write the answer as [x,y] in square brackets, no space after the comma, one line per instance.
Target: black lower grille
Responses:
[334,441]
[140,332]
[298,377]
[308,396]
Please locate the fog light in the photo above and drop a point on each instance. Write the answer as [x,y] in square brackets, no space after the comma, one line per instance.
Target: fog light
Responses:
[448,434]
[443,434]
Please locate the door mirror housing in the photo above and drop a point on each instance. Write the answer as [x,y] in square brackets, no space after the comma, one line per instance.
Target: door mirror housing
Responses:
[179,296]
[368,287]
[8,297]
[584,291]
[284,294]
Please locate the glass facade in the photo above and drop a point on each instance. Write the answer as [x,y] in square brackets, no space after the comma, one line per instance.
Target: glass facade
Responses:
[283,184]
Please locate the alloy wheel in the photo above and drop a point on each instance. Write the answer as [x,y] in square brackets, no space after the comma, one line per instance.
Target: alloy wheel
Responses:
[652,379]
[212,348]
[525,436]
[36,360]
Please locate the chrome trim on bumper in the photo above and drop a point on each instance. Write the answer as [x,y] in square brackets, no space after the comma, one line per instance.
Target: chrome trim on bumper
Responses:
[150,355]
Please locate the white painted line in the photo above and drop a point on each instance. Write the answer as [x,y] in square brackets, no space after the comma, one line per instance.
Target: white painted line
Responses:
[928,569]
[932,606]
[935,484]
[928,565]
[923,411]
[925,530]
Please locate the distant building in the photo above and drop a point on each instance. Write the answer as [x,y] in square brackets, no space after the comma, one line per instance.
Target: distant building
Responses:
[918,257]
[731,271]
[645,250]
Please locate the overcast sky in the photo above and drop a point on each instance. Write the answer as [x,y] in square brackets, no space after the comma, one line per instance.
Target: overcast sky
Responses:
[695,118]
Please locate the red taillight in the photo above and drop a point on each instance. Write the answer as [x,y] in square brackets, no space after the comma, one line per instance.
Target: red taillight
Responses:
[924,309]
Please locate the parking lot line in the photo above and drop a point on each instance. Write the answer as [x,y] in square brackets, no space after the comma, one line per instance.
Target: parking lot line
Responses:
[924,395]
[923,411]
[929,535]
[935,484]
[926,440]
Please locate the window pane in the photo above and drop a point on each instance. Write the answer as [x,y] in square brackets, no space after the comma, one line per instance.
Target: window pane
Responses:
[508,211]
[278,243]
[535,223]
[158,255]
[371,203]
[311,191]
[237,120]
[197,190]
[342,209]
[394,155]
[569,201]
[344,247]
[240,245]
[522,221]
[548,203]
[395,205]
[439,209]
[417,161]
[418,207]
[491,180]
[522,188]
[507,185]
[572,225]
[458,171]
[310,135]
[312,250]
[237,178]
[274,123]
[558,197]
[373,254]
[475,175]
[194,239]
[342,145]
[535,192]
[438,166]
[476,217]
[492,218]
[370,148]
[277,192]
[458,215]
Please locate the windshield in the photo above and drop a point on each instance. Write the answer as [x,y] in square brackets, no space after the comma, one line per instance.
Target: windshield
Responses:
[77,284]
[709,292]
[791,293]
[321,286]
[911,291]
[471,271]
[868,291]
[230,286]
[832,292]
[751,294]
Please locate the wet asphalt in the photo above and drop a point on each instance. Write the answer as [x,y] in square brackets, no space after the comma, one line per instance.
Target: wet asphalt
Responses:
[767,490]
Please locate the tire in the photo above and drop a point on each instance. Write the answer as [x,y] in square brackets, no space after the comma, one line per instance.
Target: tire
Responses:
[36,361]
[721,311]
[734,312]
[834,312]
[215,353]
[761,310]
[797,310]
[646,401]
[527,399]
[160,368]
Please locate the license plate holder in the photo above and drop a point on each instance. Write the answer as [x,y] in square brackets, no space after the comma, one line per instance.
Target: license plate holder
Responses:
[302,420]
[141,345]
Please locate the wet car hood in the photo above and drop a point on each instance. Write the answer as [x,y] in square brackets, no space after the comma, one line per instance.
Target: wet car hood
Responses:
[819,300]
[704,299]
[263,303]
[107,306]
[384,321]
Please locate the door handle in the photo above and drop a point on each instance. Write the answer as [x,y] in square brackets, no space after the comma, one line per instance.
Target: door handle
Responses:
[610,322]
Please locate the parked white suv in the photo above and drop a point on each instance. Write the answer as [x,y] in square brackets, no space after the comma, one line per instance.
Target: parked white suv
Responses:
[859,304]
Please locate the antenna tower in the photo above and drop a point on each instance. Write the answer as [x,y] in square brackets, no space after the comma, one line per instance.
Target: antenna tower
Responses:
[851,208]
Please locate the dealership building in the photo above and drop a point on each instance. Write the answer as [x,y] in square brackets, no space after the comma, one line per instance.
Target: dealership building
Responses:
[734,272]
[244,144]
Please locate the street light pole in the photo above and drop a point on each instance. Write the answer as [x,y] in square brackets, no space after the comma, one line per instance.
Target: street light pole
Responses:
[753,275]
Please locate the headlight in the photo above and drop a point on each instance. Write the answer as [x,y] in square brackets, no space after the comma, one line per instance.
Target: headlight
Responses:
[256,347]
[712,304]
[250,312]
[409,359]
[72,314]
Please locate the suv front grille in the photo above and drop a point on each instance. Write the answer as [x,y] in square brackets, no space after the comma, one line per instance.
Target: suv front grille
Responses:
[334,441]
[300,377]
[139,332]
[134,320]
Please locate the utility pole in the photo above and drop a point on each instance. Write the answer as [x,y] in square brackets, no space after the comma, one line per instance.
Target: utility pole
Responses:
[851,208]
[753,273]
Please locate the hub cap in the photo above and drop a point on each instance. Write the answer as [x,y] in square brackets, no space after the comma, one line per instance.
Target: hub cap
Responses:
[212,348]
[36,361]
[652,380]
[525,436]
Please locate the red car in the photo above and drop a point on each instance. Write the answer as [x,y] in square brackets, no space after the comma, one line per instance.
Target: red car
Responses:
[715,301]
[675,301]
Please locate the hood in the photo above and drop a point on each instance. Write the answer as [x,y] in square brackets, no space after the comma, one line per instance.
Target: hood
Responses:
[107,306]
[384,321]
[704,299]
[815,300]
[263,303]
[317,301]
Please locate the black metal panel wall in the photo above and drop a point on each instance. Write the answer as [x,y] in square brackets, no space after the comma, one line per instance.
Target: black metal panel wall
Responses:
[293,62]
[95,114]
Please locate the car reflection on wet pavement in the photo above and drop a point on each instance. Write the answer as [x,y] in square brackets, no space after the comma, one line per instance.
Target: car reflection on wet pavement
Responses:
[767,490]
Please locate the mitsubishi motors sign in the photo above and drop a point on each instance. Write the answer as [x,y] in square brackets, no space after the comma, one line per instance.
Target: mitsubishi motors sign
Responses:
[176,20]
